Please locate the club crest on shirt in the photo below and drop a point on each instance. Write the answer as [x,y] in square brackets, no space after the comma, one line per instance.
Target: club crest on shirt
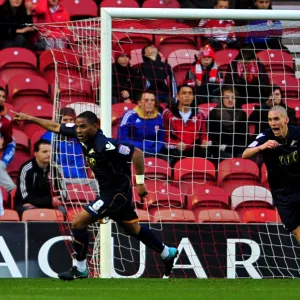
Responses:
[293,143]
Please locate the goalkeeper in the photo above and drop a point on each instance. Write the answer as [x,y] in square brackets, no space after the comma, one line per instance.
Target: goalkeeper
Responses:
[109,160]
[280,146]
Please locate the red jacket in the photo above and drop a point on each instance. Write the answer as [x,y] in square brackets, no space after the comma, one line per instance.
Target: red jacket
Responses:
[192,132]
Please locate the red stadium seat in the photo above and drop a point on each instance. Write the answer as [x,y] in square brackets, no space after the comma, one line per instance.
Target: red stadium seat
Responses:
[143,215]
[181,62]
[119,3]
[21,140]
[195,169]
[68,64]
[295,104]
[119,109]
[236,172]
[216,216]
[251,196]
[14,61]
[34,137]
[10,215]
[207,196]
[160,4]
[249,107]
[224,57]
[288,83]
[79,9]
[264,176]
[276,61]
[25,88]
[207,107]
[10,107]
[42,215]
[81,193]
[13,168]
[259,215]
[171,215]
[163,194]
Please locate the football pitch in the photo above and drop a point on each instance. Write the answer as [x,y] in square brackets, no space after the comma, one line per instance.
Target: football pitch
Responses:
[149,289]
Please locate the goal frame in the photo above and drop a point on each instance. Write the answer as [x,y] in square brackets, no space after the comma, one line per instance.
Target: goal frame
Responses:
[107,13]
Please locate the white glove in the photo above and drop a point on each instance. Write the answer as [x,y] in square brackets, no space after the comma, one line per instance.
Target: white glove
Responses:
[223,147]
[5,179]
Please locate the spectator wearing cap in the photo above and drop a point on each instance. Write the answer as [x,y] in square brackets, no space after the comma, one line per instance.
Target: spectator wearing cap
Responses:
[158,74]
[205,76]
[127,81]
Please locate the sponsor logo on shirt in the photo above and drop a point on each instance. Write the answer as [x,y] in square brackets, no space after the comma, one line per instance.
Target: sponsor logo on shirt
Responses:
[293,143]
[125,150]
[109,146]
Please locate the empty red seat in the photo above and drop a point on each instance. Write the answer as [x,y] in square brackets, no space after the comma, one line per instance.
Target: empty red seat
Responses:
[237,172]
[195,169]
[259,215]
[249,107]
[34,137]
[42,215]
[295,104]
[26,88]
[21,140]
[14,61]
[119,109]
[207,196]
[81,193]
[216,216]
[19,159]
[264,176]
[143,215]
[207,107]
[251,196]
[171,215]
[160,4]
[80,8]
[224,57]
[10,215]
[288,83]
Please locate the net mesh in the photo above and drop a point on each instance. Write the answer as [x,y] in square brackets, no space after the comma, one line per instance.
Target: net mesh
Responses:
[204,199]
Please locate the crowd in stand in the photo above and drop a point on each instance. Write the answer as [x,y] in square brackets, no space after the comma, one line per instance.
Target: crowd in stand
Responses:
[167,120]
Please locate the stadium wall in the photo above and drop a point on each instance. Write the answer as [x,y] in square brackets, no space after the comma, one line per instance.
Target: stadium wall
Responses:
[34,250]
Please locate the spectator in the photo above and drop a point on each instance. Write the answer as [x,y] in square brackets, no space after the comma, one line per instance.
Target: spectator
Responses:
[185,127]
[14,14]
[8,145]
[51,11]
[198,4]
[249,76]
[259,117]
[205,76]
[264,34]
[219,34]
[33,186]
[227,126]
[143,125]
[126,81]
[159,75]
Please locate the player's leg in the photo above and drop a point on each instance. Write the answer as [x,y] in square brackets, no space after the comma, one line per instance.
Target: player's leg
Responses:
[296,234]
[147,237]
[80,245]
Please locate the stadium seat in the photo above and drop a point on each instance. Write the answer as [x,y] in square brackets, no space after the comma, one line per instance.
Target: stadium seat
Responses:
[163,194]
[80,107]
[119,109]
[264,176]
[26,88]
[143,215]
[237,172]
[34,137]
[249,107]
[68,64]
[216,216]
[288,83]
[181,62]
[81,193]
[119,3]
[195,169]
[207,196]
[171,215]
[42,215]
[14,61]
[10,215]
[224,57]
[19,159]
[276,61]
[21,140]
[160,4]
[207,107]
[259,215]
[10,107]
[295,104]
[80,9]
[251,196]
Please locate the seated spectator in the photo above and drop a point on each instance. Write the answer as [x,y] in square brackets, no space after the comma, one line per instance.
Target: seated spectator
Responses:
[159,75]
[143,125]
[8,147]
[259,117]
[264,34]
[227,127]
[127,82]
[205,76]
[185,127]
[33,186]
[51,11]
[249,76]
[14,14]
[219,34]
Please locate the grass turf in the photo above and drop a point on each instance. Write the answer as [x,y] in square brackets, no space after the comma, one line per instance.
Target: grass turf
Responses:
[146,289]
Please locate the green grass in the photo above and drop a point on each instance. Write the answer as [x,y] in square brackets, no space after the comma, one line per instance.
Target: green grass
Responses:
[146,289]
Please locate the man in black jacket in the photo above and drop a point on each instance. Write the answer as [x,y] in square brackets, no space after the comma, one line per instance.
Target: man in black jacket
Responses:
[33,187]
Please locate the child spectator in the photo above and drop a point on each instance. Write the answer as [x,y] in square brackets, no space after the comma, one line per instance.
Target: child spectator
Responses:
[51,11]
[219,34]
[143,125]
[14,14]
[127,81]
[205,76]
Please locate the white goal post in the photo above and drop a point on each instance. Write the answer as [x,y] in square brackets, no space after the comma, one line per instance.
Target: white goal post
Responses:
[107,14]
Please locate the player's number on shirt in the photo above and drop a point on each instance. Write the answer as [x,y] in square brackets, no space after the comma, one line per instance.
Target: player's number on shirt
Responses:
[97,205]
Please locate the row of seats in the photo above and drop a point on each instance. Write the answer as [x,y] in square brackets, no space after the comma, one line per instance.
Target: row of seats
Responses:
[165,215]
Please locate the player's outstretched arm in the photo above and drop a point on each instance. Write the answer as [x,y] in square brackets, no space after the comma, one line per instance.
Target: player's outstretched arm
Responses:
[46,124]
[250,152]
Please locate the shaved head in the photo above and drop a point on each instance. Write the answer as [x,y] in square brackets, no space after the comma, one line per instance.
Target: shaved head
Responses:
[279,108]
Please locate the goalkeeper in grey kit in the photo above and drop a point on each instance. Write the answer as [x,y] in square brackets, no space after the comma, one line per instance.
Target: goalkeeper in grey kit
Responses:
[109,160]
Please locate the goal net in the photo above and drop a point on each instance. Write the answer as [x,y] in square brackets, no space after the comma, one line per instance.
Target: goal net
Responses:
[203,197]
